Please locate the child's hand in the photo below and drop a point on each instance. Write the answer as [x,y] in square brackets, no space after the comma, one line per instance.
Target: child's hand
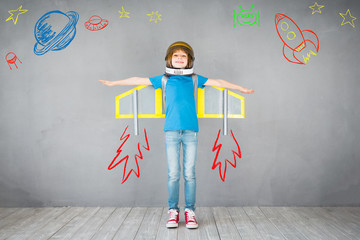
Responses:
[107,83]
[245,90]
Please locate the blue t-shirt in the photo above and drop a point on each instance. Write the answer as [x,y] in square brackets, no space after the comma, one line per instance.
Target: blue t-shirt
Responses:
[180,102]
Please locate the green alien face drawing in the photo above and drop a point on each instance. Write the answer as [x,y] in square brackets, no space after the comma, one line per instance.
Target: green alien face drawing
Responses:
[246,17]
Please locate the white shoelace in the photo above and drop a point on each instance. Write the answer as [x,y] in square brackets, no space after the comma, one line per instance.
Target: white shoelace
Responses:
[191,215]
[173,214]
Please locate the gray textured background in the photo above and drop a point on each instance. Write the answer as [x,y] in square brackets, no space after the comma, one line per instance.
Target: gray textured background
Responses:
[299,139]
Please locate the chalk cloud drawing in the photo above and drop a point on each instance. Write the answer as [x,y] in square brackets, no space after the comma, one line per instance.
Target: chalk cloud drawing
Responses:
[11,59]
[222,163]
[299,45]
[123,13]
[316,8]
[17,12]
[246,17]
[127,159]
[346,18]
[154,16]
[96,23]
[54,31]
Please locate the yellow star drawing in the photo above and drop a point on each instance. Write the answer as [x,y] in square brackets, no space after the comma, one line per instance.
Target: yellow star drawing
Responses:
[316,8]
[123,13]
[153,18]
[12,12]
[348,16]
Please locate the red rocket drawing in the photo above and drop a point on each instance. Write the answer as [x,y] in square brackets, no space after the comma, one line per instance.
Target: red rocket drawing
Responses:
[299,45]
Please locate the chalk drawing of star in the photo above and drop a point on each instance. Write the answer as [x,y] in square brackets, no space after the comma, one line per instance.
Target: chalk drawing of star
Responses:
[12,12]
[316,8]
[123,13]
[153,18]
[347,17]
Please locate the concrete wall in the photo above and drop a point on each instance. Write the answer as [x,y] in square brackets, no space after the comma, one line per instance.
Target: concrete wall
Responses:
[299,138]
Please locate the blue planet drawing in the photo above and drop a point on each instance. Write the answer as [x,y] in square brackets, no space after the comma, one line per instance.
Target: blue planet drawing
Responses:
[54,31]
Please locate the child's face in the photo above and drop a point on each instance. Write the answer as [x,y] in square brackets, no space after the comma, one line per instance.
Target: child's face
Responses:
[179,59]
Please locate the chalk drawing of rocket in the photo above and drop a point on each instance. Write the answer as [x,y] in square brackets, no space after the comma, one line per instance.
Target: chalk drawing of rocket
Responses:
[299,45]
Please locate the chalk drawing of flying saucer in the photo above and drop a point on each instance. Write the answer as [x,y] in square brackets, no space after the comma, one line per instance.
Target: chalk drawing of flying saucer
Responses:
[96,23]
[54,31]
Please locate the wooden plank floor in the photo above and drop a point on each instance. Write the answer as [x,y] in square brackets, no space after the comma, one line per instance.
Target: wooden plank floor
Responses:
[292,223]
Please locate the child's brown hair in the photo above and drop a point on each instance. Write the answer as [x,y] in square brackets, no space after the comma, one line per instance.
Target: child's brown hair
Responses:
[180,46]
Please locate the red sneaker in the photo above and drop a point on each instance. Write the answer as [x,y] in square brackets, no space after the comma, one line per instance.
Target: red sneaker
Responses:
[190,219]
[173,221]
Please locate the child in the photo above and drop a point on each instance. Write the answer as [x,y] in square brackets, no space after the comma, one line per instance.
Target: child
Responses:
[181,124]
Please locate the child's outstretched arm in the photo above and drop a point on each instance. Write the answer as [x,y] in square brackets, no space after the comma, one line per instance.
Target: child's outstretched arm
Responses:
[128,81]
[228,85]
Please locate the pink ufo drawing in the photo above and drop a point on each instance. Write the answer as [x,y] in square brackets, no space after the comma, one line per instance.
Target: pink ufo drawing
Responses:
[96,23]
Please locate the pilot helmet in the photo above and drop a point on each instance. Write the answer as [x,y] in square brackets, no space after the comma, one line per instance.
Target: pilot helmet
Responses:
[180,46]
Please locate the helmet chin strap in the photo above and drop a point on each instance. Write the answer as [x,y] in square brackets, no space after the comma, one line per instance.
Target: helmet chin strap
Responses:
[179,72]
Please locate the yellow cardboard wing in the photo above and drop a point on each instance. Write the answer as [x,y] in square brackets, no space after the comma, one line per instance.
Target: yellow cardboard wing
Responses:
[209,103]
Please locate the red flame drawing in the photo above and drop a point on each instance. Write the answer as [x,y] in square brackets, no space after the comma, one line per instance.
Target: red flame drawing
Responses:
[136,171]
[222,172]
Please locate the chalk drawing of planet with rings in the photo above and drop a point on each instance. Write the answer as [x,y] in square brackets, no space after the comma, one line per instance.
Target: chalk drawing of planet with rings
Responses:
[54,31]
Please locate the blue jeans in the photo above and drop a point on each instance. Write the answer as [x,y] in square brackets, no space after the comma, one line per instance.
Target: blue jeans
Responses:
[173,141]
